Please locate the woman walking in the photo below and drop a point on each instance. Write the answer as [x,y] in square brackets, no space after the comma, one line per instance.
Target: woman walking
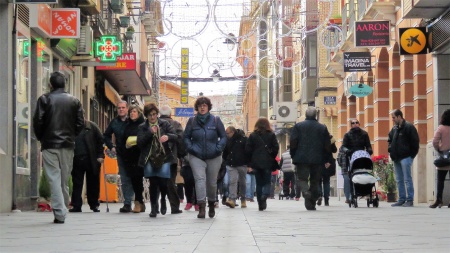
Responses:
[205,139]
[262,148]
[151,135]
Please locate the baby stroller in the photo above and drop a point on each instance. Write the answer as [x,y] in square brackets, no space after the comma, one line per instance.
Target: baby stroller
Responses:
[362,180]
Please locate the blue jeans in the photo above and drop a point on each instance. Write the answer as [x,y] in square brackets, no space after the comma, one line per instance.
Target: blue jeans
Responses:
[250,186]
[347,191]
[125,180]
[324,187]
[404,180]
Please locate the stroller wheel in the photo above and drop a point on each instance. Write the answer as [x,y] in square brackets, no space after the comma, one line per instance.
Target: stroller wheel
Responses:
[368,202]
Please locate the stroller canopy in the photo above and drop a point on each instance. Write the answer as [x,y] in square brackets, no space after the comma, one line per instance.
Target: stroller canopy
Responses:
[361,160]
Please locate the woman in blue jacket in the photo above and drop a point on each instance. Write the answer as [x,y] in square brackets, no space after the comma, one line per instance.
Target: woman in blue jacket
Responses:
[205,139]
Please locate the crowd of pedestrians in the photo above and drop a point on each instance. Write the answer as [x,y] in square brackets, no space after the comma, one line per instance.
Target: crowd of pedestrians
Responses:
[150,144]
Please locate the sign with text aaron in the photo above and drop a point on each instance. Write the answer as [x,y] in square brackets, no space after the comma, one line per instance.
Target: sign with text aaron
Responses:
[357,61]
[184,75]
[372,33]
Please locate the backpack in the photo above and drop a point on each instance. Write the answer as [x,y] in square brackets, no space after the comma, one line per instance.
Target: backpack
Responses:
[157,154]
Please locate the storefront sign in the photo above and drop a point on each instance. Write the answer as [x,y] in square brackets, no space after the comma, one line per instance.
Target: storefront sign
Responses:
[357,61]
[65,23]
[184,75]
[108,48]
[125,62]
[40,19]
[329,100]
[360,90]
[413,40]
[184,111]
[35,1]
[372,33]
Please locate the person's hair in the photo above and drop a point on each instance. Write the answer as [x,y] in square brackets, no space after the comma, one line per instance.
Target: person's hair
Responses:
[122,102]
[134,107]
[203,100]
[311,112]
[397,113]
[165,110]
[57,80]
[445,118]
[262,125]
[232,129]
[148,108]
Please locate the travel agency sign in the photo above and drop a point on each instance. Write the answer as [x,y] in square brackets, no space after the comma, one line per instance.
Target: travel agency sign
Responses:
[372,33]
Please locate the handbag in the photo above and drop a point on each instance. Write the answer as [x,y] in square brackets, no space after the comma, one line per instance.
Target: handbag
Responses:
[274,166]
[443,159]
[157,153]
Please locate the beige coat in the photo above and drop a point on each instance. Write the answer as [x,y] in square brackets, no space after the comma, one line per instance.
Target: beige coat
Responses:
[441,141]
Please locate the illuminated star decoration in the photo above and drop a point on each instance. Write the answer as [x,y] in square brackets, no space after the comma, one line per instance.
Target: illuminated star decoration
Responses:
[108,49]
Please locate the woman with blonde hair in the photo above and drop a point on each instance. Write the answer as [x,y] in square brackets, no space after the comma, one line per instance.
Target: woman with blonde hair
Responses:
[262,148]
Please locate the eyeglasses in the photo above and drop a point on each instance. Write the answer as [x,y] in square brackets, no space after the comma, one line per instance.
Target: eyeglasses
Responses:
[355,122]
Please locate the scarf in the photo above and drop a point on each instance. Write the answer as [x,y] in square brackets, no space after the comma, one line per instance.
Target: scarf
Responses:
[201,119]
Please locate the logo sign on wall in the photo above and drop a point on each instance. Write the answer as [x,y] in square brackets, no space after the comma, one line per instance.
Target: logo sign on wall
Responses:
[108,48]
[372,33]
[65,23]
[184,111]
[360,90]
[329,100]
[184,75]
[357,61]
[413,40]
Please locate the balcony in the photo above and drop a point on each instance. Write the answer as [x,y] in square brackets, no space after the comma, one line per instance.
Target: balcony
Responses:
[427,9]
[89,7]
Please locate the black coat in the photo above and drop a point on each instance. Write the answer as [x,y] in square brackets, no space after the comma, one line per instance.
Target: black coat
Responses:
[403,141]
[259,156]
[130,155]
[93,140]
[356,139]
[234,152]
[177,148]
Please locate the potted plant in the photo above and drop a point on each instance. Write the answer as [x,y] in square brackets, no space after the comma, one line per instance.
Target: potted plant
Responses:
[129,33]
[384,170]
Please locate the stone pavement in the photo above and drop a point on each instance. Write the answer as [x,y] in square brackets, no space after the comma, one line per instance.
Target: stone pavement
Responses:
[284,227]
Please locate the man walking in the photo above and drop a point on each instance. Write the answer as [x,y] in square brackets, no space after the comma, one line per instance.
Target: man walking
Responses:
[236,162]
[178,152]
[87,160]
[56,122]
[403,147]
[117,127]
[310,144]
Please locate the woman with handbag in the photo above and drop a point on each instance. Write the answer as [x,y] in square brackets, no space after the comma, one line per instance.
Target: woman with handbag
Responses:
[131,156]
[262,148]
[154,138]
[205,139]
[441,143]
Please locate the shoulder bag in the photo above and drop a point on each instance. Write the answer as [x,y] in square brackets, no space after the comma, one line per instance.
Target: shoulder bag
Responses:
[443,159]
[274,165]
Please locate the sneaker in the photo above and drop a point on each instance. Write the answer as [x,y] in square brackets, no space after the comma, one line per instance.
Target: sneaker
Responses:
[188,206]
[125,209]
[297,199]
[75,210]
[408,204]
[56,221]
[196,208]
[347,201]
[400,203]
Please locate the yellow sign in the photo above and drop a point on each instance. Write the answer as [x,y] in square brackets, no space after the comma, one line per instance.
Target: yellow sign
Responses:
[413,40]
[184,75]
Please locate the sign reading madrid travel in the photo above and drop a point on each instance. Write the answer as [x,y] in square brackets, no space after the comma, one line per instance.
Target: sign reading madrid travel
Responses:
[372,33]
[413,40]
[360,90]
[357,61]
[184,111]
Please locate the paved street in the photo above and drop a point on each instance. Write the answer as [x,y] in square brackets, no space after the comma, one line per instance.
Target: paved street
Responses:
[284,227]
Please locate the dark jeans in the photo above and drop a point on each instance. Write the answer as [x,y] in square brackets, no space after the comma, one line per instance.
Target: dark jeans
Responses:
[155,184]
[172,193]
[82,165]
[441,174]
[309,177]
[262,178]
[289,184]
[136,175]
[324,187]
[189,184]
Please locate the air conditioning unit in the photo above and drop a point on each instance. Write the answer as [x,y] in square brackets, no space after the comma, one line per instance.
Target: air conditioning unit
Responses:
[84,46]
[286,112]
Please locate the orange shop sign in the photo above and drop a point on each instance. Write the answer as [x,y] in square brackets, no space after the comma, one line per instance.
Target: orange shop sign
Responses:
[125,62]
[65,23]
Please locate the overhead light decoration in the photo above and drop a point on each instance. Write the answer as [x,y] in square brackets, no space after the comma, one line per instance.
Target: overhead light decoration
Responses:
[108,48]
[216,76]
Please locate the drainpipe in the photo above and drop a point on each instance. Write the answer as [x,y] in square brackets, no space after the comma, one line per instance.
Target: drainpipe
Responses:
[14,99]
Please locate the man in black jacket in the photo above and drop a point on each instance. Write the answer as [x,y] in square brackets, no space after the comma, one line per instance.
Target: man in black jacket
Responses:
[310,146]
[403,147]
[56,122]
[236,161]
[87,160]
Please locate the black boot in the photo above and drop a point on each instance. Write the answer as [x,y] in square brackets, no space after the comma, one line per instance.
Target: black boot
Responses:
[211,211]
[326,202]
[201,210]
[153,211]
[163,207]
[437,203]
[319,201]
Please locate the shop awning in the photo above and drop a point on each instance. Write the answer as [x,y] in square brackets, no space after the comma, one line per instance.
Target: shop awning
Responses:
[112,94]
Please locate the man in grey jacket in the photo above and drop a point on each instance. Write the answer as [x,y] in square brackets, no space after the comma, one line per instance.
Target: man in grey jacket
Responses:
[310,144]
[58,119]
